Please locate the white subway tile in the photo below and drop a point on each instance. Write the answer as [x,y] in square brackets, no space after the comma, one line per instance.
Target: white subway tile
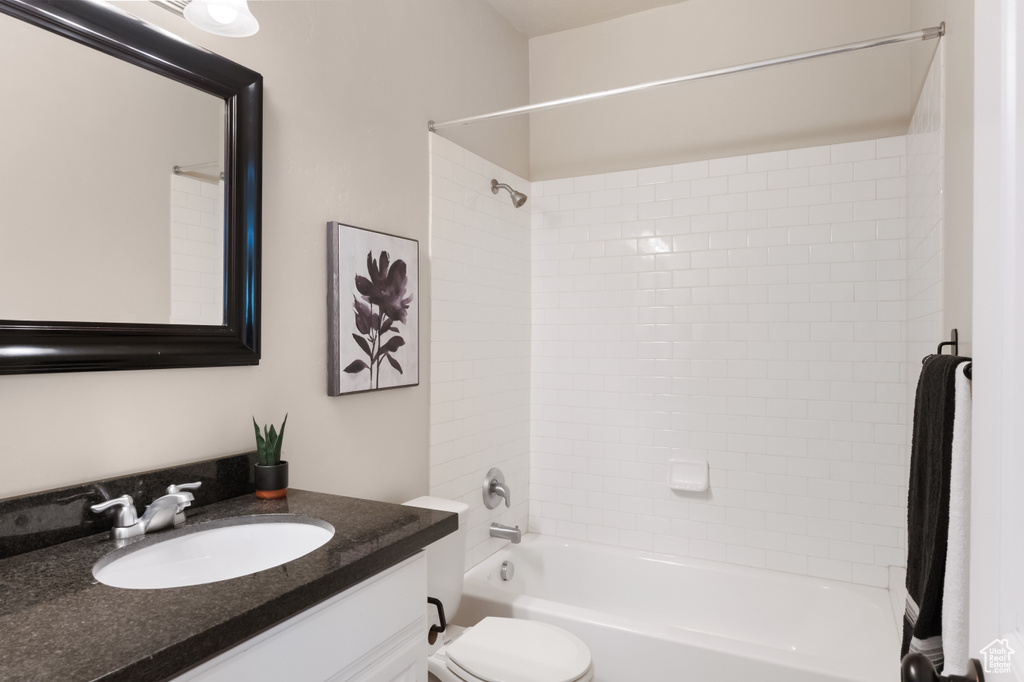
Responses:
[733,165]
[768,199]
[809,156]
[891,146]
[891,188]
[877,169]
[688,207]
[657,209]
[749,182]
[784,179]
[809,234]
[860,190]
[690,171]
[832,253]
[878,209]
[621,179]
[651,176]
[854,232]
[831,174]
[767,161]
[637,195]
[853,151]
[588,183]
[727,203]
[788,255]
[877,250]
[809,196]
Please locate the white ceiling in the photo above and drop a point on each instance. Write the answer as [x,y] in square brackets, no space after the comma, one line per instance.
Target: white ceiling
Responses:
[540,17]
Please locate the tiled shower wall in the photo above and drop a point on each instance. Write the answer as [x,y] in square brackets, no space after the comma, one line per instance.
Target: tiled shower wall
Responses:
[480,339]
[197,251]
[747,311]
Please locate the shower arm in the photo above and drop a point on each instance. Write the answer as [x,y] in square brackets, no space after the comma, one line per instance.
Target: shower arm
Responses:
[923,34]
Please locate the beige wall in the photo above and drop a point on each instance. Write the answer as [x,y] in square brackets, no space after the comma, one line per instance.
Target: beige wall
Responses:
[958,152]
[838,99]
[349,87]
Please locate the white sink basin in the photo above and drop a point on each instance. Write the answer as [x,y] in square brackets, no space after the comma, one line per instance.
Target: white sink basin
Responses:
[222,550]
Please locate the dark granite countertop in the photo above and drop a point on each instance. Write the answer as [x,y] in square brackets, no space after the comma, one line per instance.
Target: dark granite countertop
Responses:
[57,623]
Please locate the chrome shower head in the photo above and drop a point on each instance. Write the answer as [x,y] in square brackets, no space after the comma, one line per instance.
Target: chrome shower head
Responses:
[518,198]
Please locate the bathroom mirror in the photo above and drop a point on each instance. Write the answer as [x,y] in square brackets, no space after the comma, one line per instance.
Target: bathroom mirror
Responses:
[86,276]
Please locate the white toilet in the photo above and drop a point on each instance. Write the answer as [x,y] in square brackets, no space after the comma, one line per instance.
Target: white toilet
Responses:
[495,649]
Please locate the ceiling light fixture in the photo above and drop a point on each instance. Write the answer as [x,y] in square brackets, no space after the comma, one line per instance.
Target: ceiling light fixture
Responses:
[230,18]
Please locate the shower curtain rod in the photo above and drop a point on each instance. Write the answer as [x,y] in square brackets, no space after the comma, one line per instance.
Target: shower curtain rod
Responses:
[188,171]
[923,34]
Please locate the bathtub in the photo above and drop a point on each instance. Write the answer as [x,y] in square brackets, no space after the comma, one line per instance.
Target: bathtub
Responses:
[653,618]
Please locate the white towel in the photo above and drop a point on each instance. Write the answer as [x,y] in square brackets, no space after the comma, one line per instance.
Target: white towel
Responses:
[957,578]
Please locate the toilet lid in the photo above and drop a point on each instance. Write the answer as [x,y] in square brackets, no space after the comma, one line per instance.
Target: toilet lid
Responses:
[516,650]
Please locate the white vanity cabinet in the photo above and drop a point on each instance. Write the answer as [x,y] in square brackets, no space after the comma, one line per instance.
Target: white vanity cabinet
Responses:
[372,632]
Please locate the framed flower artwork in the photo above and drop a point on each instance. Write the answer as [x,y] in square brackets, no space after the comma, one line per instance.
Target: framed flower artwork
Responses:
[372,310]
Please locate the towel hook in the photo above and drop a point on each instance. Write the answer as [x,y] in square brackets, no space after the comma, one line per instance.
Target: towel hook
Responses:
[954,342]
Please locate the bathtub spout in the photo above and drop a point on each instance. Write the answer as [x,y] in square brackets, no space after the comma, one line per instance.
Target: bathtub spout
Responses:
[506,533]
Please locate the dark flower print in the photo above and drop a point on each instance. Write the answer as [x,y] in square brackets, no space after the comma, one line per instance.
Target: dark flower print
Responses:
[386,286]
[385,290]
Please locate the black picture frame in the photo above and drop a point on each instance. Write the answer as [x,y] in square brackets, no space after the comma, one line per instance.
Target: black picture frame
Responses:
[70,346]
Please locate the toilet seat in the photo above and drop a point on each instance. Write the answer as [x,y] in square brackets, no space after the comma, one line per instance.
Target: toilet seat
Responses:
[517,650]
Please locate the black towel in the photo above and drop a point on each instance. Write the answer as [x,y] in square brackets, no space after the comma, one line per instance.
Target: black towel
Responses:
[928,507]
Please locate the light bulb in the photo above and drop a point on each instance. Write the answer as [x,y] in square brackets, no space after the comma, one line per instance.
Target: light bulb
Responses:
[222,17]
[222,14]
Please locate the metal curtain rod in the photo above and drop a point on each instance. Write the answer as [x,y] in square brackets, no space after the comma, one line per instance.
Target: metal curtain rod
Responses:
[923,34]
[203,177]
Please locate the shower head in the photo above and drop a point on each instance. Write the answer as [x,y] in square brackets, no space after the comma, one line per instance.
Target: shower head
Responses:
[518,198]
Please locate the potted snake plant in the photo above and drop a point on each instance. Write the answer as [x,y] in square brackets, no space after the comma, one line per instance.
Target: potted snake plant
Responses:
[271,472]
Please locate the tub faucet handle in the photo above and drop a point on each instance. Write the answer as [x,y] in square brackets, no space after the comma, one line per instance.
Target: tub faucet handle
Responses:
[495,489]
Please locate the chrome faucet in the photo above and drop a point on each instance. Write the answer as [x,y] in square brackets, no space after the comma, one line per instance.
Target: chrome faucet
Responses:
[164,512]
[506,533]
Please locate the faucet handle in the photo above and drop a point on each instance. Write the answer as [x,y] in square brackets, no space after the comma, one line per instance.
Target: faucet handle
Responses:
[125,517]
[172,488]
[495,489]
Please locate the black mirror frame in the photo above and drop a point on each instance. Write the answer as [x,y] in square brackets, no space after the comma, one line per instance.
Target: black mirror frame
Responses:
[33,347]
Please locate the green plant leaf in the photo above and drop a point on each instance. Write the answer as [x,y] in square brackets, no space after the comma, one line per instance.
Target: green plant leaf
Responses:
[280,441]
[261,444]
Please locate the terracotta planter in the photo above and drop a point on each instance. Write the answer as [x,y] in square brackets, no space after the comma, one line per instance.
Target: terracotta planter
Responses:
[271,481]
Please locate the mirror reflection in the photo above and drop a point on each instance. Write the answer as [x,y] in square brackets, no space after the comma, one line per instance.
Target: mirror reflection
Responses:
[95,224]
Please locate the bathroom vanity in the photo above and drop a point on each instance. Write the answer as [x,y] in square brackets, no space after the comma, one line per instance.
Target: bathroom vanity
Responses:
[372,632]
[354,609]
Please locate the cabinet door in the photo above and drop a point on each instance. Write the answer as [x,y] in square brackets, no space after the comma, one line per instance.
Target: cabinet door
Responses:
[349,633]
[407,663]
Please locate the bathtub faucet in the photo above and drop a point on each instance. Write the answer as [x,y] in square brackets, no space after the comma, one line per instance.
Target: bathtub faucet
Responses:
[506,533]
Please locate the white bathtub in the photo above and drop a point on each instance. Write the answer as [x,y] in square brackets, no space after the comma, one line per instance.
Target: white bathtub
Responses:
[651,618]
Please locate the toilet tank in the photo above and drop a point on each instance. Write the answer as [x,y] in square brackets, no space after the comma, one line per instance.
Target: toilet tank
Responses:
[446,558]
